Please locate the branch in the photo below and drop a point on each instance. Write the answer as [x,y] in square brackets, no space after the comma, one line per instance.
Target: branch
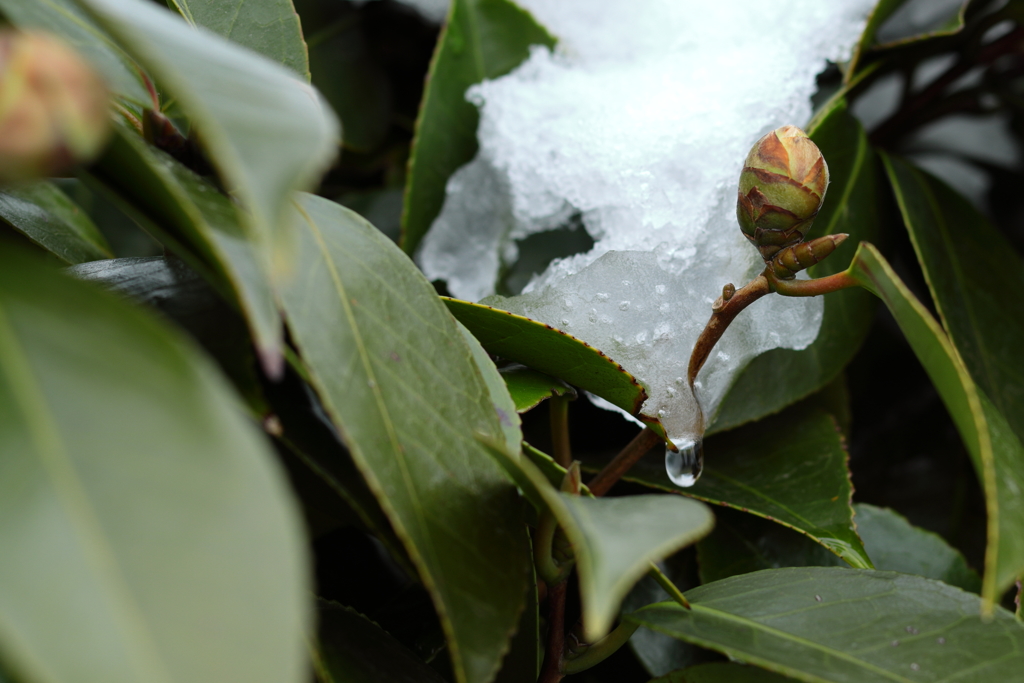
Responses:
[724,311]
[621,463]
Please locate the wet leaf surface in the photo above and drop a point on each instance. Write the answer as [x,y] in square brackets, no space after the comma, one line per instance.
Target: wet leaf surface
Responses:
[49,218]
[408,406]
[103,410]
[722,672]
[481,39]
[798,622]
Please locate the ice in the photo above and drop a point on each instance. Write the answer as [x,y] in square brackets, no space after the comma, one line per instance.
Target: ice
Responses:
[637,125]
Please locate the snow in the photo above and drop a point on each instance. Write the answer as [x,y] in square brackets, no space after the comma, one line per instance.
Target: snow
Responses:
[638,125]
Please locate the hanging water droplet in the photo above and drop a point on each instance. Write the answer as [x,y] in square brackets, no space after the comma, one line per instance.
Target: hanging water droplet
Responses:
[684,466]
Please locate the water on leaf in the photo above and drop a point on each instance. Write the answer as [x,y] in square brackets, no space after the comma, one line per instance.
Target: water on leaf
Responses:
[685,465]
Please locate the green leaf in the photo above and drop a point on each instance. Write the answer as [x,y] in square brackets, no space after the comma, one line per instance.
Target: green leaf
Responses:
[549,350]
[49,218]
[270,27]
[614,540]
[481,39]
[894,544]
[408,406]
[779,377]
[354,649]
[847,626]
[743,543]
[199,223]
[523,661]
[659,654]
[64,18]
[504,406]
[722,672]
[267,131]
[530,388]
[882,11]
[790,469]
[977,280]
[989,440]
[138,507]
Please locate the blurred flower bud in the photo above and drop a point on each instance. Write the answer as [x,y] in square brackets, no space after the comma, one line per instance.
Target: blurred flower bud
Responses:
[781,189]
[791,260]
[53,107]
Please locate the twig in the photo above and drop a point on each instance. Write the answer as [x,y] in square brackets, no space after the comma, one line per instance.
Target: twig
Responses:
[559,407]
[621,463]
[552,669]
[724,311]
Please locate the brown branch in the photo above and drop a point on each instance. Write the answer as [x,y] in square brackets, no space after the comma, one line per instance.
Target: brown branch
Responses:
[815,287]
[621,463]
[560,448]
[552,669]
[724,311]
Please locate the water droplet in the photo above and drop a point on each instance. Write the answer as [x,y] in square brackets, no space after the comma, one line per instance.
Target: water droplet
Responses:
[684,466]
[912,630]
[940,641]
[602,296]
[660,289]
[895,643]
[914,667]
[623,305]
[817,598]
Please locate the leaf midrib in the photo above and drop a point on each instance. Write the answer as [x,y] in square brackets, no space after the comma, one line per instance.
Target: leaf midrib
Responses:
[52,453]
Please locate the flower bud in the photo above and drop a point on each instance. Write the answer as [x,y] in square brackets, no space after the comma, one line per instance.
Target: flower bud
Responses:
[53,107]
[791,260]
[781,189]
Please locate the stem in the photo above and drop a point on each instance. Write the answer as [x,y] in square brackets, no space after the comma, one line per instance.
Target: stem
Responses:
[621,463]
[601,650]
[551,672]
[559,407]
[815,287]
[723,313]
[548,567]
[669,587]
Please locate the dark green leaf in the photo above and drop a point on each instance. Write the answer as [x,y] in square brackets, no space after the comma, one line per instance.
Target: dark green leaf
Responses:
[64,18]
[790,468]
[882,11]
[743,543]
[530,388]
[847,626]
[894,544]
[985,432]
[781,376]
[353,649]
[549,350]
[139,508]
[661,654]
[614,539]
[482,39]
[504,406]
[266,130]
[270,27]
[722,672]
[49,218]
[408,406]
[199,222]
[522,663]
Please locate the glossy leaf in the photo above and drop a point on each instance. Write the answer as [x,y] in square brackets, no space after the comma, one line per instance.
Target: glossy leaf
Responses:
[504,405]
[779,377]
[882,11]
[549,350]
[353,649]
[976,278]
[408,406]
[196,220]
[49,218]
[481,39]
[790,469]
[798,622]
[270,27]
[614,540]
[985,432]
[67,20]
[722,672]
[660,654]
[742,543]
[266,130]
[530,388]
[894,544]
[136,502]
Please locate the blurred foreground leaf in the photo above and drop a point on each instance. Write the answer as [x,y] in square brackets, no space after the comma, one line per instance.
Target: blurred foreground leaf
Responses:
[49,218]
[136,502]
